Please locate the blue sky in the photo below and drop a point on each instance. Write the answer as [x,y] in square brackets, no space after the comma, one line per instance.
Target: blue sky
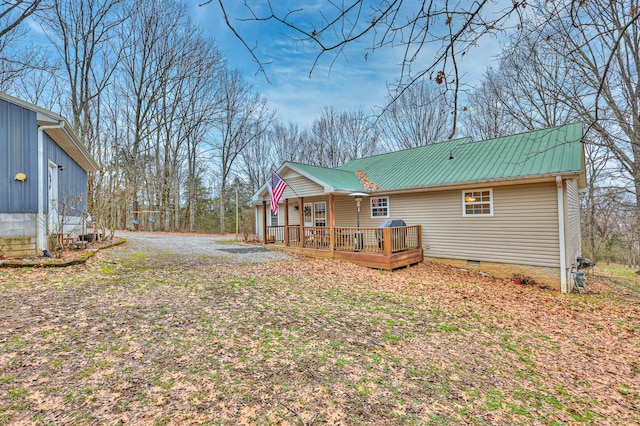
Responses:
[351,82]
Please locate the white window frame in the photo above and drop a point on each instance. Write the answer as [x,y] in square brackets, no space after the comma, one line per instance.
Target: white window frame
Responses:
[273,218]
[466,202]
[317,219]
[388,207]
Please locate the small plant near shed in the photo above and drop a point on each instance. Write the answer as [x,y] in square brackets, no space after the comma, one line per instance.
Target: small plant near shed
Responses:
[519,278]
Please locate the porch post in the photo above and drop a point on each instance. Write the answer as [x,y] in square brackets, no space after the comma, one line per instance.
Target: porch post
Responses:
[264,222]
[301,213]
[386,241]
[420,237]
[286,221]
[332,222]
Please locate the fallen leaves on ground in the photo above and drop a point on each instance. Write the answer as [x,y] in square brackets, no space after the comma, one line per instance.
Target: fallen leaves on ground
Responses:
[175,340]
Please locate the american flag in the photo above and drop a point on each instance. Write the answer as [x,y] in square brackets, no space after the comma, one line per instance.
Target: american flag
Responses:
[277,189]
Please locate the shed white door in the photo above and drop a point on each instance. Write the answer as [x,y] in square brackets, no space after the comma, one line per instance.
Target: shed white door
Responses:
[53,198]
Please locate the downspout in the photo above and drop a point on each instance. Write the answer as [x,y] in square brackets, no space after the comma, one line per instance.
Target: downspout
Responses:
[41,228]
[561,235]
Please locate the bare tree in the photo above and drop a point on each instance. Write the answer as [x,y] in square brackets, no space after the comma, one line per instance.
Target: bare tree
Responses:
[290,143]
[601,45]
[420,116]
[434,37]
[149,57]
[329,143]
[361,136]
[84,34]
[256,161]
[486,116]
[244,118]
[14,12]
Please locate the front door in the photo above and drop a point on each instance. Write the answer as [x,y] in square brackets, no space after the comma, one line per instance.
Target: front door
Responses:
[308,215]
[315,214]
[52,191]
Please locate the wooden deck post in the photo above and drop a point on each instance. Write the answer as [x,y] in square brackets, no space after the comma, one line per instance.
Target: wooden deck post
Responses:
[420,237]
[332,223]
[264,222]
[386,241]
[301,213]
[286,221]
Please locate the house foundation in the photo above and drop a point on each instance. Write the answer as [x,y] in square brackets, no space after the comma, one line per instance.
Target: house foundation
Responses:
[541,275]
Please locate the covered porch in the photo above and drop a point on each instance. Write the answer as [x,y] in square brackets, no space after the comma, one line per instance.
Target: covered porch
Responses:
[374,247]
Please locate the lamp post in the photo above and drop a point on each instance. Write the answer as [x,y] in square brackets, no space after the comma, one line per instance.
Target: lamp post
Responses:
[358,235]
[358,197]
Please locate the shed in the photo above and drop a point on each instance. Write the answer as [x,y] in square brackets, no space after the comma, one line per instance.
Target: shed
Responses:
[43,177]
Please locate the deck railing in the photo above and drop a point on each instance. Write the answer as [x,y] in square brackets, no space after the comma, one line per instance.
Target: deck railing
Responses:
[275,234]
[317,237]
[368,240]
[375,240]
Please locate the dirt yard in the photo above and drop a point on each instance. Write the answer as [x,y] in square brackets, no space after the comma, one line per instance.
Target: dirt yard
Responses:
[174,329]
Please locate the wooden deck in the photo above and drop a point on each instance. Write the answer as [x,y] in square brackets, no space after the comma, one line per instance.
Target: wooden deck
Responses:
[380,248]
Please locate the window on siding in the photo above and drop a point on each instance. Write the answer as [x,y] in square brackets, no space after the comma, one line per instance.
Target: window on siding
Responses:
[477,202]
[380,207]
[320,213]
[274,218]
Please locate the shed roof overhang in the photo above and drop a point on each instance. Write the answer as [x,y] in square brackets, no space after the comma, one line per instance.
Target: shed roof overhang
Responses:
[65,137]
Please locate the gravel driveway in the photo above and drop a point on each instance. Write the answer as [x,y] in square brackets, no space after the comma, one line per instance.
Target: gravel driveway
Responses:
[186,246]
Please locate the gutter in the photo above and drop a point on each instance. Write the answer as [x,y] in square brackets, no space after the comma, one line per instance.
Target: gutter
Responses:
[561,236]
[41,225]
[543,177]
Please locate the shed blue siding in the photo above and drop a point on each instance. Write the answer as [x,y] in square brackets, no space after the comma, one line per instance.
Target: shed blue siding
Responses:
[72,182]
[18,151]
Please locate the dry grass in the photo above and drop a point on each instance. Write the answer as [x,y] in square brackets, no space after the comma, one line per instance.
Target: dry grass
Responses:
[160,340]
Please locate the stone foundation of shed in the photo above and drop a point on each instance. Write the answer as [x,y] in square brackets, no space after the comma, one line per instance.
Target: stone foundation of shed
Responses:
[18,234]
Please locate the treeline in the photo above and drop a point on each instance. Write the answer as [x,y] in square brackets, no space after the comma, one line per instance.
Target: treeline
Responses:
[177,131]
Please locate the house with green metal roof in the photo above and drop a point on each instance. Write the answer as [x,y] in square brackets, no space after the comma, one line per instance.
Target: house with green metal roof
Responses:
[501,206]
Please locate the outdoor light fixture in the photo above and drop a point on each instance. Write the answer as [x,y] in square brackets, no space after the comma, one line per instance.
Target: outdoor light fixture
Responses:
[21,177]
[62,168]
[358,197]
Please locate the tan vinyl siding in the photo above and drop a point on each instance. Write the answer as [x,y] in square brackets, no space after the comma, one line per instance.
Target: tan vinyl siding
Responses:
[259,222]
[522,230]
[303,187]
[572,228]
[345,208]
[294,215]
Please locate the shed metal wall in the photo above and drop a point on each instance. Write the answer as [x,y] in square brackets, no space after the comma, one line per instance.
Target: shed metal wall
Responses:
[19,154]
[18,151]
[72,182]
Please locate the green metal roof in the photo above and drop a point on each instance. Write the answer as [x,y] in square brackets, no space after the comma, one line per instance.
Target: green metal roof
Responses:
[557,150]
[336,178]
[548,152]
